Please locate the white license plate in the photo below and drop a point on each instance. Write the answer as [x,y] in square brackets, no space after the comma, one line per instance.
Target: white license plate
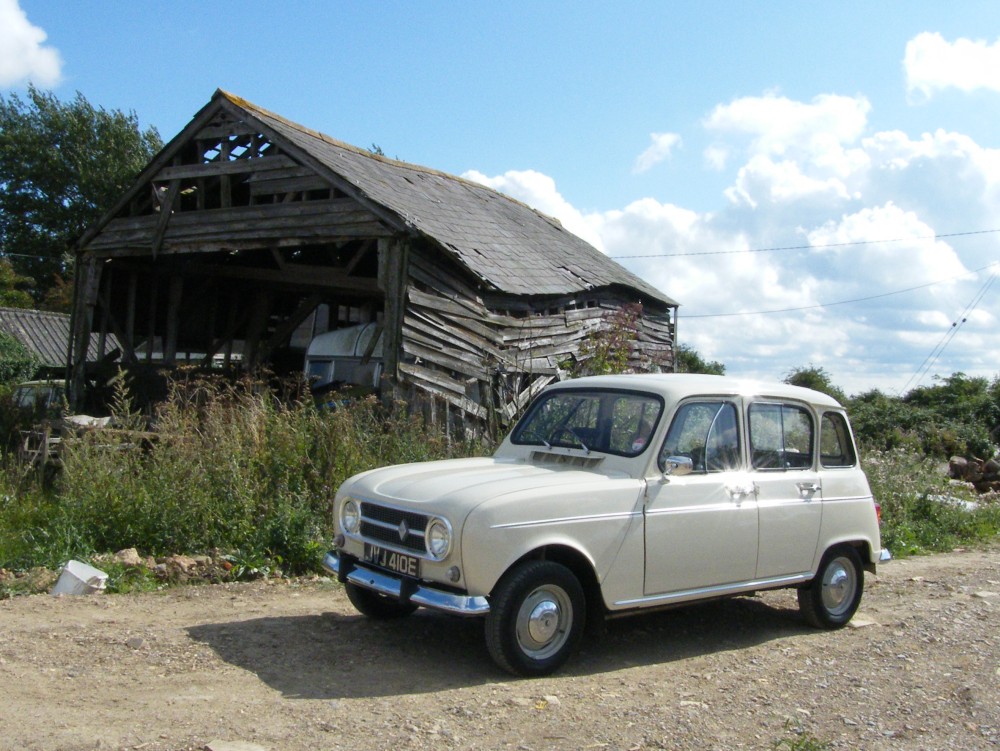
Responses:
[407,565]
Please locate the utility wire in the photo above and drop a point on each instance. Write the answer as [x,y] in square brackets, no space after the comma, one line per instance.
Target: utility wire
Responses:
[807,247]
[949,335]
[843,302]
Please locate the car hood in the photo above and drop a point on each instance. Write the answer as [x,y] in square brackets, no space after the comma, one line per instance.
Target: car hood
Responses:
[452,486]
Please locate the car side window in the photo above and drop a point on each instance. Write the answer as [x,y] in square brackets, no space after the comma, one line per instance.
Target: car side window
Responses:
[781,436]
[836,449]
[707,433]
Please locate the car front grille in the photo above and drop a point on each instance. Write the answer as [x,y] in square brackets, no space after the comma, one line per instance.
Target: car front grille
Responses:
[401,529]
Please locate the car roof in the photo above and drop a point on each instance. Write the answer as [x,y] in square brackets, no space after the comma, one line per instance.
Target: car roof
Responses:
[676,386]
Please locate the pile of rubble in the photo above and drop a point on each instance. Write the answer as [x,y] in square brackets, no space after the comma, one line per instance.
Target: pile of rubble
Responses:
[982,474]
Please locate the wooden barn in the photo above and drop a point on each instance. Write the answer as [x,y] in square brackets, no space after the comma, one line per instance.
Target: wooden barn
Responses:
[248,235]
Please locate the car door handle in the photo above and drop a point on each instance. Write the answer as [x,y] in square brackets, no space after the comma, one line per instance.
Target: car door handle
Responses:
[808,488]
[739,493]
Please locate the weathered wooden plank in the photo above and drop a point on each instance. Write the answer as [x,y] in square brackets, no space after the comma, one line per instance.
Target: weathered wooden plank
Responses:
[227,167]
[416,376]
[294,274]
[288,185]
[281,174]
[235,128]
[511,335]
[463,308]
[472,333]
[472,362]
[211,217]
[448,337]
[446,278]
[444,360]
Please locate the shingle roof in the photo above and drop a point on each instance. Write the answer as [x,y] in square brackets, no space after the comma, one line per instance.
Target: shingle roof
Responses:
[510,246]
[45,334]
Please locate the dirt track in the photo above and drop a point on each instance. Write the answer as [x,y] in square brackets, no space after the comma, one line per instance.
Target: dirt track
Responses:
[279,665]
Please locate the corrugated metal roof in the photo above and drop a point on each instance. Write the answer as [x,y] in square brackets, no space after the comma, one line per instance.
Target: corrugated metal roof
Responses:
[46,334]
[509,245]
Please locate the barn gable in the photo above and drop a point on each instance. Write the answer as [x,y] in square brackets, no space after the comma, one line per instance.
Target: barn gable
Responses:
[248,234]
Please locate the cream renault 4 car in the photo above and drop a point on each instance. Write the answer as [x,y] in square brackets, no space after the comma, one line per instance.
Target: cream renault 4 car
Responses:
[615,494]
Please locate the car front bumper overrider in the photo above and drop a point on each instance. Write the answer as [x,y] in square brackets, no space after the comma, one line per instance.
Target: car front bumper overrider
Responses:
[349,570]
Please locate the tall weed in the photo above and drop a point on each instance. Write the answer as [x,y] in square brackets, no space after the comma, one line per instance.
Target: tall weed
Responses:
[222,467]
[922,511]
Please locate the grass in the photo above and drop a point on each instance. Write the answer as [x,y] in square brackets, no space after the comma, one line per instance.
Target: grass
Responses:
[922,512]
[231,471]
[223,467]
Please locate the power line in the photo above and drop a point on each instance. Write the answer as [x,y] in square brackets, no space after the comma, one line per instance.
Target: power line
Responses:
[807,247]
[949,335]
[843,302]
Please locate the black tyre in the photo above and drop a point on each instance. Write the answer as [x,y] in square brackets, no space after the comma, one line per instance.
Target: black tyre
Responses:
[375,605]
[536,618]
[831,599]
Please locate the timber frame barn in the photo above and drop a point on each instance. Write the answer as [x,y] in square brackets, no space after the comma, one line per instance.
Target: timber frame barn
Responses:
[249,233]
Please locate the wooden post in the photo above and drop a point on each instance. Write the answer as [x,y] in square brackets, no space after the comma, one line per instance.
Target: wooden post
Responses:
[393,262]
[133,283]
[174,295]
[151,335]
[256,330]
[83,323]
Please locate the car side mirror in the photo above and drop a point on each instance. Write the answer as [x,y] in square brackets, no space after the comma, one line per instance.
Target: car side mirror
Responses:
[677,466]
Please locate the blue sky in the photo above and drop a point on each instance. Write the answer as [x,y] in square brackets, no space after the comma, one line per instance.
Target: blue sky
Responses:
[863,135]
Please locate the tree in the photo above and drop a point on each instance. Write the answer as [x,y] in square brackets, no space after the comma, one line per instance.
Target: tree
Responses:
[689,361]
[17,363]
[62,165]
[14,287]
[815,378]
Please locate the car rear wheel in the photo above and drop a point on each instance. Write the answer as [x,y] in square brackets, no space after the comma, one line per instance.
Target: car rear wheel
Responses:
[536,618]
[832,597]
[376,605]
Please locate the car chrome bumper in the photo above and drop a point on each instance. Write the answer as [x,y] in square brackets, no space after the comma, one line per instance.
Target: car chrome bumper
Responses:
[884,555]
[395,586]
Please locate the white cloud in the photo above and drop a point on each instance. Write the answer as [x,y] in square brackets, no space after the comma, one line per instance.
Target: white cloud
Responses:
[933,64]
[660,149]
[23,54]
[762,180]
[780,126]
[858,215]
[886,242]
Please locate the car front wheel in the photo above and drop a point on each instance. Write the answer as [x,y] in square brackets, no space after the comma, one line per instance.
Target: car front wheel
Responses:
[832,597]
[536,618]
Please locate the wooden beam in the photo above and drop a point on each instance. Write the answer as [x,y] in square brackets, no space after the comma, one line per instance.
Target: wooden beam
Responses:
[166,209]
[295,275]
[356,258]
[215,169]
[284,331]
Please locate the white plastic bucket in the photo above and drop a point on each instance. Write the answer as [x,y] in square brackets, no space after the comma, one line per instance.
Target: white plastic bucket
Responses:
[77,578]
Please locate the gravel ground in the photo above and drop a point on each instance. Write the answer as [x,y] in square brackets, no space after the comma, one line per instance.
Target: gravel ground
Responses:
[289,665]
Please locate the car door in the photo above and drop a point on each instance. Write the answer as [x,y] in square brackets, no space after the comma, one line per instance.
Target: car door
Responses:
[701,525]
[789,491]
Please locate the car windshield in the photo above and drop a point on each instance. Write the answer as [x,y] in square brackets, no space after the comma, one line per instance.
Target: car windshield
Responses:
[612,422]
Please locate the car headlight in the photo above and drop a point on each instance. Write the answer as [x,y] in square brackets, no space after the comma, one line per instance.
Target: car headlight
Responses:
[350,516]
[438,538]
